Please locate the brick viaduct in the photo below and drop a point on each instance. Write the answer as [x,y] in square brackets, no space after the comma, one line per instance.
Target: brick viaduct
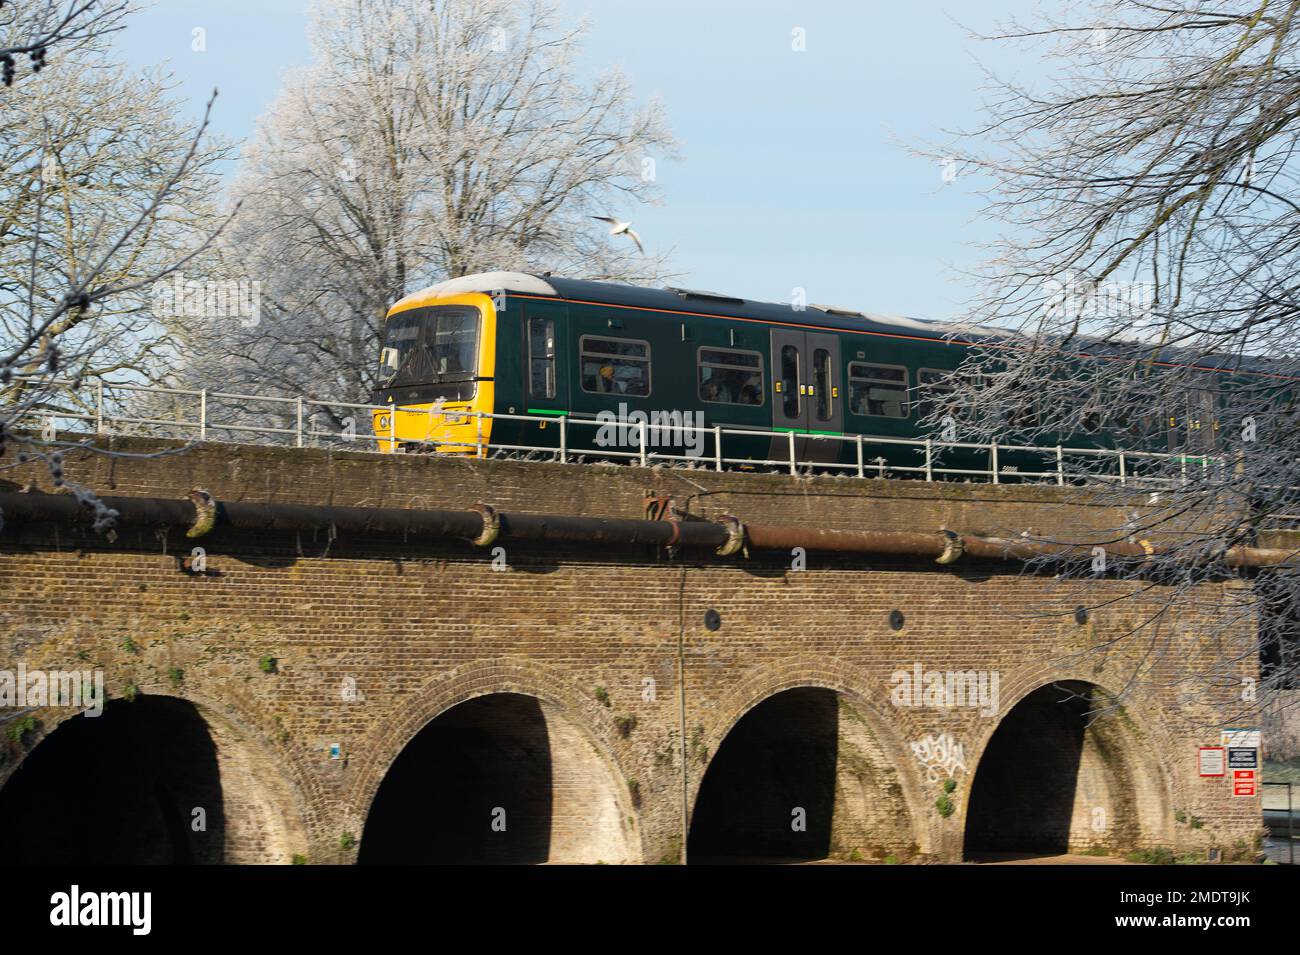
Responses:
[347,697]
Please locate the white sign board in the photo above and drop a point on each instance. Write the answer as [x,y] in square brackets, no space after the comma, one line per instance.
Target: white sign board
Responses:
[1212,761]
[1241,739]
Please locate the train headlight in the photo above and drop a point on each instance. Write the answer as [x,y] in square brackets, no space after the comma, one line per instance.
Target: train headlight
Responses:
[385,421]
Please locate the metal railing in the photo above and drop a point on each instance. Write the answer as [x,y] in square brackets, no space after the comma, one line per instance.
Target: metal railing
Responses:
[121,408]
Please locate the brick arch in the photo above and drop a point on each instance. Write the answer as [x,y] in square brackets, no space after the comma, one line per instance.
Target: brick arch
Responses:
[1122,745]
[568,712]
[266,817]
[860,690]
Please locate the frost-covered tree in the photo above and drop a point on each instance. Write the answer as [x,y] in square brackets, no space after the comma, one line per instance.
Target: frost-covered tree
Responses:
[104,192]
[1148,190]
[430,139]
[36,28]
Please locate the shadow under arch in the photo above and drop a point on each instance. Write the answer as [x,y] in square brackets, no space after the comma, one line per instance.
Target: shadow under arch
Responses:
[1065,771]
[153,780]
[500,778]
[800,776]
[119,788]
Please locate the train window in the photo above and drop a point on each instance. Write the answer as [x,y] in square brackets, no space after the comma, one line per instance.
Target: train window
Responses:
[1019,407]
[1091,402]
[433,345]
[731,377]
[932,386]
[879,390]
[541,357]
[616,366]
[790,381]
[822,383]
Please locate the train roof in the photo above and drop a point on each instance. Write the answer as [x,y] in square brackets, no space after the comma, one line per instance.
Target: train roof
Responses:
[696,302]
[693,301]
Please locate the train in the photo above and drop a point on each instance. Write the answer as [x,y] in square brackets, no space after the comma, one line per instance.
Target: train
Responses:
[799,383]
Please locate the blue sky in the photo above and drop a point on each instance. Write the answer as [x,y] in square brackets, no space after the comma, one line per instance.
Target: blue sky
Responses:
[793,169]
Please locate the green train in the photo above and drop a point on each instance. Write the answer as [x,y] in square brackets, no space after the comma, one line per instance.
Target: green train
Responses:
[608,357]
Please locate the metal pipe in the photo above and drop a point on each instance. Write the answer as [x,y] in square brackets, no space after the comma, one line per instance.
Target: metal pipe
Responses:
[725,537]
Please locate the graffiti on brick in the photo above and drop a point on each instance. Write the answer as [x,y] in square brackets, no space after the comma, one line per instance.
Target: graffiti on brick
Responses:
[941,755]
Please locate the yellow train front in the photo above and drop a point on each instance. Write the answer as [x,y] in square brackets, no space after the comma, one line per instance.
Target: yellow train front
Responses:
[436,373]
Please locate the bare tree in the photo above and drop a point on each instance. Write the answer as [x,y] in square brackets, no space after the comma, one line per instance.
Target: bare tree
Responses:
[432,138]
[1149,270]
[32,28]
[103,192]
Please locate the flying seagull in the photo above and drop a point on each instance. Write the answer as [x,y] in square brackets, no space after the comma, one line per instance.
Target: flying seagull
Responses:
[622,228]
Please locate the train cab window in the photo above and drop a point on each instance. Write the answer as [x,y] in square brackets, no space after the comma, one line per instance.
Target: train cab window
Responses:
[822,383]
[730,377]
[435,346]
[878,390]
[541,357]
[790,381]
[615,366]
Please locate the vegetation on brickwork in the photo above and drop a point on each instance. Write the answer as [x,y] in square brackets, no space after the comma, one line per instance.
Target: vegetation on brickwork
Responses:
[625,725]
[83,655]
[175,676]
[698,750]
[21,728]
[634,788]
[347,841]
[855,856]
[1095,851]
[129,645]
[281,733]
[891,860]
[268,664]
[602,695]
[1196,822]
[672,853]
[1160,855]
[944,804]
[130,692]
[1163,855]
[663,755]
[299,859]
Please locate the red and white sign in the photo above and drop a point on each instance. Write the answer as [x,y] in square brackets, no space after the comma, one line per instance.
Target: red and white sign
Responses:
[1213,760]
[1243,782]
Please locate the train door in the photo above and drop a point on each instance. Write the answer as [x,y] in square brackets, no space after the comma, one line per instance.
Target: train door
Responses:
[825,408]
[806,394]
[1193,419]
[1203,418]
[545,369]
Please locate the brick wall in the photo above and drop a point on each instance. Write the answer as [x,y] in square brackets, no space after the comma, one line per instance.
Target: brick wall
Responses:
[372,639]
